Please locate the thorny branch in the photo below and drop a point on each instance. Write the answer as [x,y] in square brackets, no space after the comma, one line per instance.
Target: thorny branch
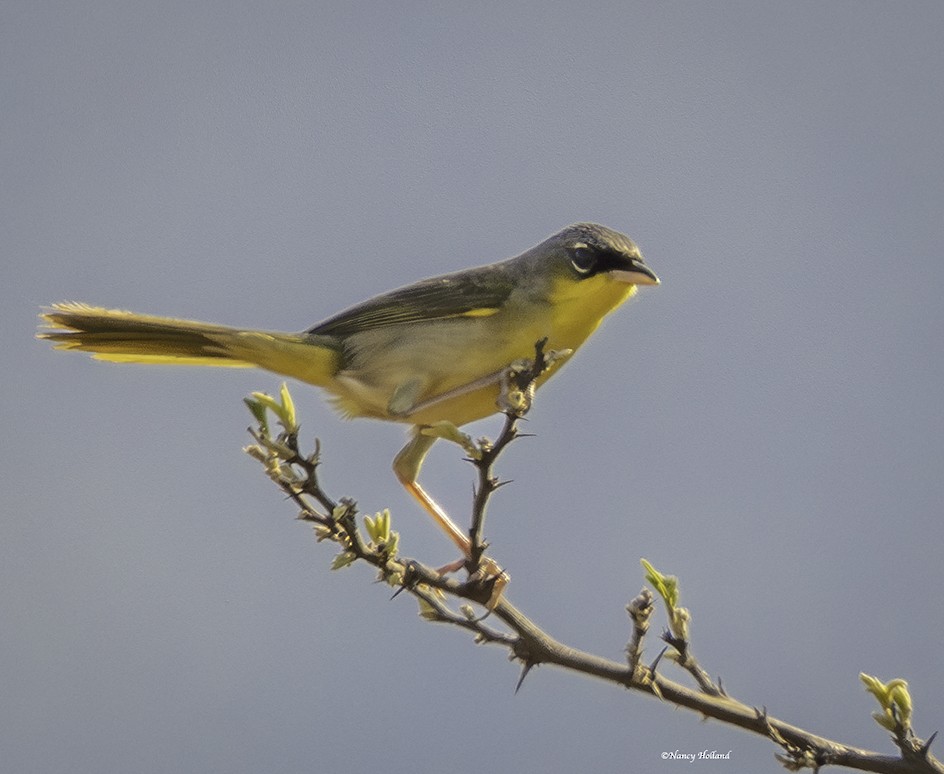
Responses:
[296,474]
[517,392]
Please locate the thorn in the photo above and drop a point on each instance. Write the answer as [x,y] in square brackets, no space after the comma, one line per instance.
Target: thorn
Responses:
[655,663]
[484,545]
[926,747]
[528,666]
[409,579]
[721,687]
[656,690]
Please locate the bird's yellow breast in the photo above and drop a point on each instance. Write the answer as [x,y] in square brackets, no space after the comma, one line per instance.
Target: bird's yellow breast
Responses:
[578,308]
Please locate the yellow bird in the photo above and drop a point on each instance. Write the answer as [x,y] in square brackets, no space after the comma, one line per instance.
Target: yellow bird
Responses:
[429,353]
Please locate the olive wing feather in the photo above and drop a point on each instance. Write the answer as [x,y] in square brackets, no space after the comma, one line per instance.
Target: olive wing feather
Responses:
[470,293]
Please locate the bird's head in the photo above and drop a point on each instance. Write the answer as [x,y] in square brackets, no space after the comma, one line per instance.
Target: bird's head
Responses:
[587,250]
[587,261]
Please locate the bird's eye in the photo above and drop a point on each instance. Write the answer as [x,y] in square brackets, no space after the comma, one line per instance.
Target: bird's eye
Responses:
[583,259]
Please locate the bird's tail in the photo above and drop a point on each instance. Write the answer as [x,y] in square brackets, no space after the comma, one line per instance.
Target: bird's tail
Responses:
[126,337]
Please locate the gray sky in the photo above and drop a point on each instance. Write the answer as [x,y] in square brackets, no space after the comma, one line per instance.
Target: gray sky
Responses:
[767,424]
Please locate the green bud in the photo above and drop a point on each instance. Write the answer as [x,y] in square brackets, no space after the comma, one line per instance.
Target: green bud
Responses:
[679,624]
[287,409]
[894,699]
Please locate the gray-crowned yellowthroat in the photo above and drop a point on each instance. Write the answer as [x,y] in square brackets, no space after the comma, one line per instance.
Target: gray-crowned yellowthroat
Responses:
[426,354]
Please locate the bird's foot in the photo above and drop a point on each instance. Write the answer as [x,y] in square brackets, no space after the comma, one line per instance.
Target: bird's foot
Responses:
[518,380]
[449,432]
[492,576]
[488,582]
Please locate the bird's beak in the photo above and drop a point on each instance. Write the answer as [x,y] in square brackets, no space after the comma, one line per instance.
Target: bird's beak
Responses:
[636,273]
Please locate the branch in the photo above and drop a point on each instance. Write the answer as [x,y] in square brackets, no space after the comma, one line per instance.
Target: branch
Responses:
[335,520]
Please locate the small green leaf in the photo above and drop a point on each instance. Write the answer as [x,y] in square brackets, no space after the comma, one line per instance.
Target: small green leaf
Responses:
[287,413]
[343,560]
[322,532]
[427,611]
[894,699]
[665,585]
[256,452]
[885,720]
[383,525]
[259,414]
[902,699]
[267,401]
[874,686]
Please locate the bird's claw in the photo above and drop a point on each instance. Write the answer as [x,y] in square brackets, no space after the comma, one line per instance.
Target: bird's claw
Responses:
[489,576]
[516,398]
[449,432]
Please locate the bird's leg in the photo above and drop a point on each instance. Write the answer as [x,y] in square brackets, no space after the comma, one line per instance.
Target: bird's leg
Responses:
[514,398]
[406,466]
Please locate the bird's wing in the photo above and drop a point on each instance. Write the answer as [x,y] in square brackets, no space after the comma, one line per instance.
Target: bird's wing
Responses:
[472,293]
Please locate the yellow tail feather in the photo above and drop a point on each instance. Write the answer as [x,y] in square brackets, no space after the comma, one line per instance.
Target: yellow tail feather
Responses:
[125,337]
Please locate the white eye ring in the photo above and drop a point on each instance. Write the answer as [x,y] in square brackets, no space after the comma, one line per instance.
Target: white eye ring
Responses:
[583,258]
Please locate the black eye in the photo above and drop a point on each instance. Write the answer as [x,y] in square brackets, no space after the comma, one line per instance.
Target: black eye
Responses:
[583,259]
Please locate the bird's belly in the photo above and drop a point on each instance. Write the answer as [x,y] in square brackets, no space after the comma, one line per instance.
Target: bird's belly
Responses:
[388,371]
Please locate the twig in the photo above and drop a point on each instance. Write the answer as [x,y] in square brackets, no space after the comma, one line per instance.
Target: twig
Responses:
[335,520]
[640,610]
[517,393]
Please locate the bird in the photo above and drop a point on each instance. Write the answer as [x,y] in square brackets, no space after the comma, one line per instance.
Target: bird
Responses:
[428,354]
